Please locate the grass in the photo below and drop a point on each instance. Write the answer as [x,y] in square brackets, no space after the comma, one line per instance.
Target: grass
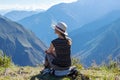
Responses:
[10,71]
[100,74]
[25,73]
[18,73]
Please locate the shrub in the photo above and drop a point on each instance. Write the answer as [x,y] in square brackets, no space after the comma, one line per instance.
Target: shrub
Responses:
[5,61]
[76,62]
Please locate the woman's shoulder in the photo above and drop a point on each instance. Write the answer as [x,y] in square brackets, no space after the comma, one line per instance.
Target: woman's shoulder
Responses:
[54,40]
[59,39]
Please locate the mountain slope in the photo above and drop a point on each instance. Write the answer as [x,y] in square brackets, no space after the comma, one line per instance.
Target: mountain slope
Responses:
[18,15]
[22,45]
[73,14]
[2,12]
[104,45]
[89,31]
[41,23]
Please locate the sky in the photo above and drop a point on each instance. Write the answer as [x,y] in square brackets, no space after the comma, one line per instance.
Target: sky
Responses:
[30,4]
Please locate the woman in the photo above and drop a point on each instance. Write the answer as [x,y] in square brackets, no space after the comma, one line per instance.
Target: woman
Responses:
[58,54]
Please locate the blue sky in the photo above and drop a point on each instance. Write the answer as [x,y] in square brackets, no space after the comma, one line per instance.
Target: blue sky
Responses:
[30,4]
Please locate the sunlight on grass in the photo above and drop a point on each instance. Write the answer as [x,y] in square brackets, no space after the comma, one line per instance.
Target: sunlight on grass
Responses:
[104,72]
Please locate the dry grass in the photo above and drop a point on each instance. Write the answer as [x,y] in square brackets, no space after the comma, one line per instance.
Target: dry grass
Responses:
[19,73]
[100,74]
[25,73]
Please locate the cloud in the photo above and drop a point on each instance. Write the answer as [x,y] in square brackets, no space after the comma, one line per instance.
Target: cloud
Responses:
[33,6]
[68,1]
[24,7]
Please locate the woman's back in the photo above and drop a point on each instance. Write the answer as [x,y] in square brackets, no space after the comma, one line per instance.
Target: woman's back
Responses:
[63,51]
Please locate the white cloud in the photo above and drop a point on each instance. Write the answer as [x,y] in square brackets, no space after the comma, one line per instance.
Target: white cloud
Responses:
[22,7]
[33,6]
[68,1]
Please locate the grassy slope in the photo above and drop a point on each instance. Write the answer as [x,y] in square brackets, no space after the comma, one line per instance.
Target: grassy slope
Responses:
[25,73]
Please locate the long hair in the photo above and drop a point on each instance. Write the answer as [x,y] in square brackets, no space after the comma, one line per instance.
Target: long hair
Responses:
[66,38]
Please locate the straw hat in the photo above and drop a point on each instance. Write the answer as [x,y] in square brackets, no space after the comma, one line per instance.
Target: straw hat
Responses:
[61,27]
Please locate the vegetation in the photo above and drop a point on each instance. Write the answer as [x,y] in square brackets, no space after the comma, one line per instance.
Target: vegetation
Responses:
[5,61]
[102,72]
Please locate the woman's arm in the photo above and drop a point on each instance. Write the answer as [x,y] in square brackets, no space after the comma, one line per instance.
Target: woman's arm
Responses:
[51,49]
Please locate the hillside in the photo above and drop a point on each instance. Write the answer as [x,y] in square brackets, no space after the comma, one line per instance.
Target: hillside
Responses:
[2,12]
[101,44]
[26,73]
[20,44]
[89,31]
[9,71]
[17,15]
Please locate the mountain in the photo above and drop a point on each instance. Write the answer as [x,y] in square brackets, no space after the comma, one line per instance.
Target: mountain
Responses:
[2,12]
[74,14]
[89,31]
[16,15]
[102,46]
[20,44]
[41,23]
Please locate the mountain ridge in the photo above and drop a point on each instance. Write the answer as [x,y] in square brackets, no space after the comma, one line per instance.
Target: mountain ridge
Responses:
[74,14]
[91,30]
[16,15]
[22,45]
[102,46]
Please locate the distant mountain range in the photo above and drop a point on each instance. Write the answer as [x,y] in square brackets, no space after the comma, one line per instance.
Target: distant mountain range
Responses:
[2,12]
[16,15]
[99,44]
[20,44]
[74,14]
[89,31]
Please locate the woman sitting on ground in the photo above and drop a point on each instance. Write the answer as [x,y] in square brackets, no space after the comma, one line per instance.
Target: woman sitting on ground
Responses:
[58,54]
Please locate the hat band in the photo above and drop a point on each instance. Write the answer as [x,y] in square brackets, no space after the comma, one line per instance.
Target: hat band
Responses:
[60,28]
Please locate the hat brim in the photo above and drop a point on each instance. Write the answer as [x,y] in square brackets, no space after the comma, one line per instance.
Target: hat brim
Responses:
[54,27]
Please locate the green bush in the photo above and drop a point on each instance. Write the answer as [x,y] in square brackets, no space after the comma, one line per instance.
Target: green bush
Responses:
[5,61]
[76,62]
